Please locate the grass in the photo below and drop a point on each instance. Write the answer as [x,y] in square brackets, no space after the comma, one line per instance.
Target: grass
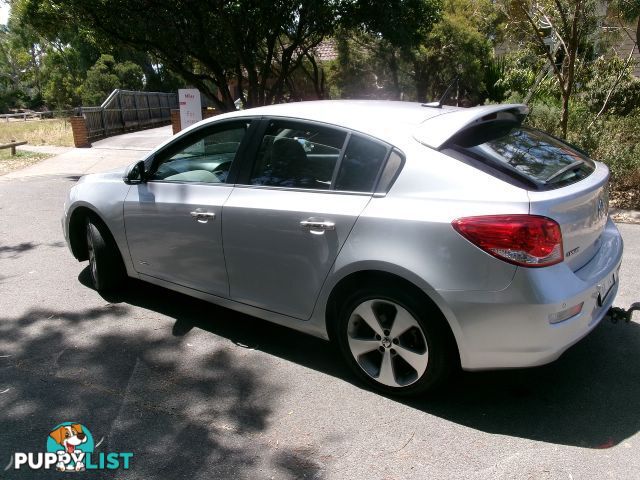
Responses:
[20,160]
[55,131]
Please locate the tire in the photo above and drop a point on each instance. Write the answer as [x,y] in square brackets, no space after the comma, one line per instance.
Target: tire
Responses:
[395,341]
[105,263]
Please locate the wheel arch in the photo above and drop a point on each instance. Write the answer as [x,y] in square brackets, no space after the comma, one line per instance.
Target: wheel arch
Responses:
[77,230]
[356,279]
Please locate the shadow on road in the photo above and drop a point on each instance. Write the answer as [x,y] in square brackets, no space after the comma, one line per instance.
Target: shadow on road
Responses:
[589,398]
[184,414]
[14,251]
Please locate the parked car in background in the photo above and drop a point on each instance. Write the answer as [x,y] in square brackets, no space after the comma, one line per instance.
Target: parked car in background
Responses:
[419,238]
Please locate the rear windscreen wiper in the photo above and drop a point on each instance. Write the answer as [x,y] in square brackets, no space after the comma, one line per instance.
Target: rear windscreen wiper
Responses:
[569,167]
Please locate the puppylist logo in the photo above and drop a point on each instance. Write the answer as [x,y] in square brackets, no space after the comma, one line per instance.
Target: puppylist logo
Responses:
[70,448]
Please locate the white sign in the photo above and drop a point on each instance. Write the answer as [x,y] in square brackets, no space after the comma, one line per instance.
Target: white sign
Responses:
[190,107]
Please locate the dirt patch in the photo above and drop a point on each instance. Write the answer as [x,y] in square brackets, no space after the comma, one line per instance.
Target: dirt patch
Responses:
[21,159]
[625,191]
[625,216]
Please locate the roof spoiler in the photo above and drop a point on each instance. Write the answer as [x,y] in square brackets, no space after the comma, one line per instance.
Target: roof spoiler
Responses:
[436,131]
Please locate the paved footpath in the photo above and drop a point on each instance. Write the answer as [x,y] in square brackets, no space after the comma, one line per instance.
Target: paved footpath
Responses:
[104,155]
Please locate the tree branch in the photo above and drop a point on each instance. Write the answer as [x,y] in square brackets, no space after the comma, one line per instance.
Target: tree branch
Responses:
[550,58]
[613,87]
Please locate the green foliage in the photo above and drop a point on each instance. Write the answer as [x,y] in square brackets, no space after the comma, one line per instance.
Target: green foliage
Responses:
[610,139]
[351,75]
[519,72]
[629,10]
[562,32]
[62,78]
[610,80]
[19,69]
[494,72]
[107,75]
[456,46]
[402,23]
[259,44]
[367,67]
[618,145]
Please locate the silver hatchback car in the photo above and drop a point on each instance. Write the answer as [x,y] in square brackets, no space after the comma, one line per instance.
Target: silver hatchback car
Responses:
[418,238]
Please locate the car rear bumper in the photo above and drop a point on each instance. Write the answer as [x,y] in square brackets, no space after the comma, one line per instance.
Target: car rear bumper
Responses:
[511,328]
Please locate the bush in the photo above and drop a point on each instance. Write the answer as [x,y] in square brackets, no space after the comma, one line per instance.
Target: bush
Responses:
[610,139]
[619,149]
[519,72]
[611,74]
[618,144]
[107,75]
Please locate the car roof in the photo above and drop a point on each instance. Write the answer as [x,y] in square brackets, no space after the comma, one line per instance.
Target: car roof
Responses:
[392,121]
[384,119]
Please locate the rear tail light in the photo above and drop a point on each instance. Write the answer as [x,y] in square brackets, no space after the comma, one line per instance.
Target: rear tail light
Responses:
[525,240]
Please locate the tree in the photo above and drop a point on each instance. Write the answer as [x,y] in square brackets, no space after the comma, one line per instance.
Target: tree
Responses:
[255,46]
[458,46]
[107,75]
[61,78]
[390,30]
[629,12]
[232,49]
[20,66]
[362,69]
[560,30]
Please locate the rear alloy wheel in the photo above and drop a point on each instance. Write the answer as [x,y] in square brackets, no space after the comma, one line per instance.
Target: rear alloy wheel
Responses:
[105,263]
[391,342]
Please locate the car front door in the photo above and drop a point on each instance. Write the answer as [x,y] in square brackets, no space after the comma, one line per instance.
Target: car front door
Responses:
[284,227]
[173,219]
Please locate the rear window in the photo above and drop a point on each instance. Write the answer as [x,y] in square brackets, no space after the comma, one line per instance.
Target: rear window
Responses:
[527,155]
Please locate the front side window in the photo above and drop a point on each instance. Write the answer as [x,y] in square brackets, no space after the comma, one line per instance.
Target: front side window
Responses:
[297,155]
[204,156]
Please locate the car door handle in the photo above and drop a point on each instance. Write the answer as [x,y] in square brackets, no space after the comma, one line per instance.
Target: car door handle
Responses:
[201,216]
[317,226]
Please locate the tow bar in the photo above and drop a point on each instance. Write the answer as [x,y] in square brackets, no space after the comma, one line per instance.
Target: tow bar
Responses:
[616,314]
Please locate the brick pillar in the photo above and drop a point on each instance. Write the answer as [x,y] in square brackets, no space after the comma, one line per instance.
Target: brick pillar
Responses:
[79,128]
[175,121]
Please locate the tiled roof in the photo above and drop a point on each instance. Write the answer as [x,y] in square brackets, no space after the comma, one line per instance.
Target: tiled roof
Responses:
[326,51]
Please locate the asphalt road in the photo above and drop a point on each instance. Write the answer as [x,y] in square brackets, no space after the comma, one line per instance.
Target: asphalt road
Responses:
[200,392]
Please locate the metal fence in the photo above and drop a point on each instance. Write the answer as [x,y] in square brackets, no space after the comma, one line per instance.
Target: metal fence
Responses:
[126,110]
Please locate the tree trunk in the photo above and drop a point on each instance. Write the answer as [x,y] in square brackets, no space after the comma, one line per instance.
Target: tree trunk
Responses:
[393,66]
[564,121]
[421,82]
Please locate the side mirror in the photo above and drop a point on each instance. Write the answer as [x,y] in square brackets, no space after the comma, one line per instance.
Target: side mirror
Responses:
[135,174]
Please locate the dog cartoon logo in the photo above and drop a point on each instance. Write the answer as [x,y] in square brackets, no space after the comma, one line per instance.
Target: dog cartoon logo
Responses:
[71,442]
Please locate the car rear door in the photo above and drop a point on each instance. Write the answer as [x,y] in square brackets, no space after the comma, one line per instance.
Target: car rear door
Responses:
[286,220]
[173,219]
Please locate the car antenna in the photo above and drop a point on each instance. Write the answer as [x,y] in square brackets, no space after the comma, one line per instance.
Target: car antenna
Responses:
[440,102]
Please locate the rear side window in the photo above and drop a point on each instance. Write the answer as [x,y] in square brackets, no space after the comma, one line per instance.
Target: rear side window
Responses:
[540,160]
[360,165]
[298,156]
